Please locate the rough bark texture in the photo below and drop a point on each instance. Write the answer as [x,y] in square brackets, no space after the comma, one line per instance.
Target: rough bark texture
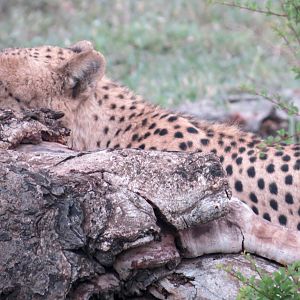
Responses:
[110,224]
[66,216]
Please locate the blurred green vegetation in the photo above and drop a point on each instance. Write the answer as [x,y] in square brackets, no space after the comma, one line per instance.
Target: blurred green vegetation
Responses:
[167,51]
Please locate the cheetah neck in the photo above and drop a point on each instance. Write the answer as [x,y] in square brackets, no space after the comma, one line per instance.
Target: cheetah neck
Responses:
[113,114]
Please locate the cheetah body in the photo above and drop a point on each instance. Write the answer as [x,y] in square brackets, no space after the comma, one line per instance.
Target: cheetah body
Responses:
[102,114]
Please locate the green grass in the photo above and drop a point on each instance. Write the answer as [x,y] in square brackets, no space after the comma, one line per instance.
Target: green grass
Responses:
[168,51]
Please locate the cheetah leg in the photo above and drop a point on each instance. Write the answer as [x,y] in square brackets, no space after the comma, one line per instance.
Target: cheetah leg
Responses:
[242,230]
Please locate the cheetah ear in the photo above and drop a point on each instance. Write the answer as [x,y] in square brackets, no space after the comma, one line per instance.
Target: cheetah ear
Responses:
[82,71]
[81,46]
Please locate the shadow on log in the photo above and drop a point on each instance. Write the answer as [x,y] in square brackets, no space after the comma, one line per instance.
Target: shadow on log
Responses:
[113,224]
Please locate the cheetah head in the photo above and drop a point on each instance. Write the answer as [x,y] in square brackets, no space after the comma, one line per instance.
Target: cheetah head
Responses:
[47,76]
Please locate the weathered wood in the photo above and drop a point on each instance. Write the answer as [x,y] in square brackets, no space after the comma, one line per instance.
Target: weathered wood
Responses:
[205,278]
[65,216]
[31,126]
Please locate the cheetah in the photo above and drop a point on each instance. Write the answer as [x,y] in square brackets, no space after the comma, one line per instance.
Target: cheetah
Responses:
[104,114]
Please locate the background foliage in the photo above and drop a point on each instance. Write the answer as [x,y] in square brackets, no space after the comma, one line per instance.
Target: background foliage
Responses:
[168,51]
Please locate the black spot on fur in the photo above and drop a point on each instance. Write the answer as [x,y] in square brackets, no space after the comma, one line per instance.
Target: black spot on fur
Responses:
[178,135]
[164,131]
[261,183]
[251,172]
[204,142]
[253,197]
[255,209]
[289,198]
[131,116]
[135,137]
[288,180]
[274,204]
[163,116]
[238,186]
[267,217]
[282,220]
[242,149]
[105,130]
[239,160]
[286,158]
[172,118]
[229,170]
[192,130]
[118,132]
[270,168]
[153,125]
[144,122]
[234,155]
[183,146]
[227,149]
[147,134]
[273,188]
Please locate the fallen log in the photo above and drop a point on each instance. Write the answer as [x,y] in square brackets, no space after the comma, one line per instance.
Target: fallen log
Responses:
[117,222]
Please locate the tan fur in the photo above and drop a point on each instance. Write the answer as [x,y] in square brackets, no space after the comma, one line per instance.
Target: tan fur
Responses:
[104,114]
